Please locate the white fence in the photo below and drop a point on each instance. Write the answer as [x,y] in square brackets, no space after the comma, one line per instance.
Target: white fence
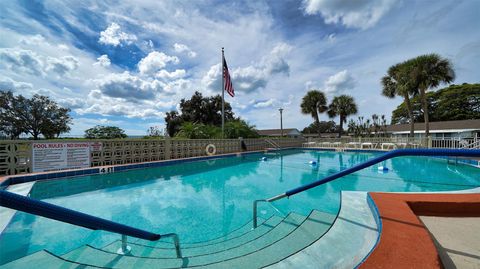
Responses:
[388,143]
[16,155]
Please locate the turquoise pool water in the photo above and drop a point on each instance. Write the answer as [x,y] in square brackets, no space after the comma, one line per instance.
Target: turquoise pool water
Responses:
[203,200]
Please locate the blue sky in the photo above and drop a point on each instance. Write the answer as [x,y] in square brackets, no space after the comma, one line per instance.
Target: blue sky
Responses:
[127,63]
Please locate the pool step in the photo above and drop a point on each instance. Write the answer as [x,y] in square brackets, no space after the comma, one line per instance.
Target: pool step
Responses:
[233,240]
[314,227]
[96,257]
[167,243]
[289,236]
[43,260]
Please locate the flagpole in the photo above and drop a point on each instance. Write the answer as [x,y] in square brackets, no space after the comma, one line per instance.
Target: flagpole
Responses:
[223,95]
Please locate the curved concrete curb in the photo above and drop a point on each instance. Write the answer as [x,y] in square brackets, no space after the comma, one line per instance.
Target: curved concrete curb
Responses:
[347,243]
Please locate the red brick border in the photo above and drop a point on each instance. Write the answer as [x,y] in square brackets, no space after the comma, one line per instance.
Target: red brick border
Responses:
[404,241]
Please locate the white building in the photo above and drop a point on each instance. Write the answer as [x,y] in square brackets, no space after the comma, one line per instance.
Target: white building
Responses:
[289,132]
[458,129]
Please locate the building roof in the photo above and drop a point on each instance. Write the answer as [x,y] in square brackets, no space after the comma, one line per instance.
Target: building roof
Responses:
[328,135]
[278,132]
[438,126]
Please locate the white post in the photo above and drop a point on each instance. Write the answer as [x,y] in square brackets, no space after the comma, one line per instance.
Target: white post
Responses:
[223,95]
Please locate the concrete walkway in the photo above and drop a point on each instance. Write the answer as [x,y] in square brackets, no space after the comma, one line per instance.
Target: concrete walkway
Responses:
[456,239]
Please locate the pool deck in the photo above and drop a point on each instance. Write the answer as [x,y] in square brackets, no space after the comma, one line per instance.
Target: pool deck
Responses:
[6,214]
[457,240]
[405,242]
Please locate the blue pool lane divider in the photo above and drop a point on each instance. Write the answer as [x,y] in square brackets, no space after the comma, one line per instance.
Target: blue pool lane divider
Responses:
[381,158]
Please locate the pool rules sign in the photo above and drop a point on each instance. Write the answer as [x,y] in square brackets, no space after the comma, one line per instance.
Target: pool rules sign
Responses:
[60,156]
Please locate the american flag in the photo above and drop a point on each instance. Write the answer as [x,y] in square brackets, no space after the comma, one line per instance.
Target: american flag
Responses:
[227,80]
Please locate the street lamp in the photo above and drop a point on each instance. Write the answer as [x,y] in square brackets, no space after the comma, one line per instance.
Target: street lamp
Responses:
[281,122]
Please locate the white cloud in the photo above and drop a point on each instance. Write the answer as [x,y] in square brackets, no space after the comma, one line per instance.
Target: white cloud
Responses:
[23,61]
[128,86]
[103,61]
[212,80]
[352,14]
[179,87]
[155,61]
[180,48]
[164,74]
[253,77]
[62,65]
[100,103]
[72,103]
[32,40]
[29,62]
[264,104]
[8,84]
[275,63]
[114,36]
[249,79]
[339,82]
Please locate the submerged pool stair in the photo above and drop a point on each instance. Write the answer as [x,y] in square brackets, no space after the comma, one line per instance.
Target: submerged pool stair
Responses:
[272,241]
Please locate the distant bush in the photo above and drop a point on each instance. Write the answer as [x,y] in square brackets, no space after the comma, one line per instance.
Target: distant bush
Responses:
[105,132]
[233,129]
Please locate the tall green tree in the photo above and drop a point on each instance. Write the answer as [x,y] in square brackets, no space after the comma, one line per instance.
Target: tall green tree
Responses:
[314,103]
[10,123]
[456,102]
[198,109]
[397,83]
[36,116]
[105,132]
[342,106]
[429,71]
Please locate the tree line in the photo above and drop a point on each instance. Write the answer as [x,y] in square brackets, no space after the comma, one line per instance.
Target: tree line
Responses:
[456,102]
[38,115]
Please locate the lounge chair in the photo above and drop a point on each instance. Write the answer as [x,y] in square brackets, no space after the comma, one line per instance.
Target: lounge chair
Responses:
[368,145]
[388,146]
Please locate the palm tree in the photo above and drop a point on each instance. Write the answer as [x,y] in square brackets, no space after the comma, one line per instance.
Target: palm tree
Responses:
[397,83]
[314,103]
[343,106]
[429,71]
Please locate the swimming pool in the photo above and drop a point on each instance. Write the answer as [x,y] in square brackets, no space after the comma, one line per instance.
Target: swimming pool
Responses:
[203,200]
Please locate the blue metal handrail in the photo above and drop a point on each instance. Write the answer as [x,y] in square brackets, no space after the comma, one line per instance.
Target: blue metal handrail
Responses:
[381,158]
[51,211]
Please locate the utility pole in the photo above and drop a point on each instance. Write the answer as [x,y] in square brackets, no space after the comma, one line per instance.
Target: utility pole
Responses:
[281,121]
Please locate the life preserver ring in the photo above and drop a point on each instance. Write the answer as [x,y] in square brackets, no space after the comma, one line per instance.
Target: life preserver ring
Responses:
[210,149]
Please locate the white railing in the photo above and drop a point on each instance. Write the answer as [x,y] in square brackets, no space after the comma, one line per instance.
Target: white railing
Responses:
[272,143]
[452,143]
[387,143]
[473,145]
[384,143]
